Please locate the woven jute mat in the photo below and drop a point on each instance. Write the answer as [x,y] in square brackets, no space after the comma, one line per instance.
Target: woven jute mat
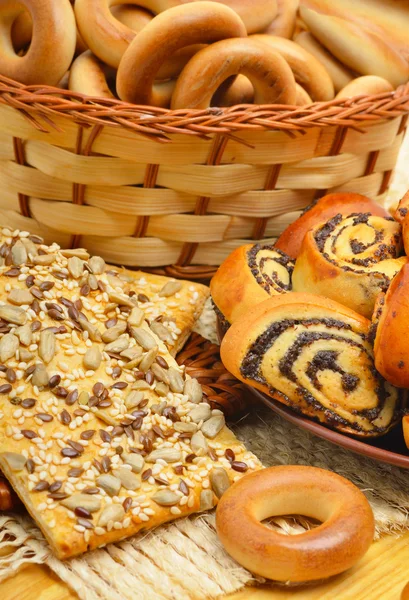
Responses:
[184,560]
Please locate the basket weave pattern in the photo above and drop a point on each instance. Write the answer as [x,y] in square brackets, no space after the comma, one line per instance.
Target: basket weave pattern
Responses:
[150,187]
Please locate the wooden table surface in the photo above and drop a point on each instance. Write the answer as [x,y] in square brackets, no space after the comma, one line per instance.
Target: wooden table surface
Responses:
[381,575]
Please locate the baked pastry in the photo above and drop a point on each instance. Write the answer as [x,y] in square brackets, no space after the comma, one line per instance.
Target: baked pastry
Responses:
[346,531]
[365,85]
[250,275]
[358,47]
[307,70]
[270,74]
[52,44]
[401,215]
[171,306]
[234,90]
[350,259]
[200,23]
[283,23]
[321,210]
[313,355]
[390,324]
[338,72]
[87,76]
[102,434]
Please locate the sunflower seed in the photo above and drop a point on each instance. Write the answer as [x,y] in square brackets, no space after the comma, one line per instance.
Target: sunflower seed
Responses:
[16,462]
[162,389]
[135,461]
[77,252]
[213,426]
[19,254]
[110,484]
[169,455]
[219,480]
[148,359]
[206,500]
[97,265]
[182,427]
[75,266]
[141,385]
[105,417]
[83,398]
[136,317]
[92,358]
[132,353]
[198,443]
[193,390]
[112,334]
[162,332]
[30,247]
[20,297]
[133,399]
[44,259]
[120,344]
[120,299]
[170,288]
[143,338]
[127,478]
[46,348]
[160,373]
[13,314]
[91,329]
[24,334]
[175,381]
[166,498]
[87,501]
[9,345]
[112,512]
[201,412]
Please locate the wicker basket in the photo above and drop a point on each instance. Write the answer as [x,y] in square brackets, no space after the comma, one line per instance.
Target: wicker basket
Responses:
[150,187]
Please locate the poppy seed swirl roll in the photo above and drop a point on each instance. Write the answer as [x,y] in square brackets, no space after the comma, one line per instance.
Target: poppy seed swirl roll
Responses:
[350,259]
[251,274]
[313,355]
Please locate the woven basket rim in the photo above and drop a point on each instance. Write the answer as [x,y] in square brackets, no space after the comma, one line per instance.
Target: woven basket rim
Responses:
[39,103]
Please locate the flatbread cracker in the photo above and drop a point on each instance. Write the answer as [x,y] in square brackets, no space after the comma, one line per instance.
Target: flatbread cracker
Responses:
[102,434]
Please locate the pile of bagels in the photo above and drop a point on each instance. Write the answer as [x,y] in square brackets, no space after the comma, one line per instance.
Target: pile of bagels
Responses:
[184,54]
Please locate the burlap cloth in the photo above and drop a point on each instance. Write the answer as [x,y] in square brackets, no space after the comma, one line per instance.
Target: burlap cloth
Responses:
[185,560]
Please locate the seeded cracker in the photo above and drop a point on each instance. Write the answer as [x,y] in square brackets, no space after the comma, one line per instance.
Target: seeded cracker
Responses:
[101,433]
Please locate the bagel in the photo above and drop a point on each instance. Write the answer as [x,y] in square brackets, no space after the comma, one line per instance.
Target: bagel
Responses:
[87,77]
[307,70]
[104,34]
[302,97]
[270,75]
[52,46]
[233,91]
[367,84]
[346,532]
[358,47]
[200,23]
[339,74]
[133,17]
[255,14]
[284,22]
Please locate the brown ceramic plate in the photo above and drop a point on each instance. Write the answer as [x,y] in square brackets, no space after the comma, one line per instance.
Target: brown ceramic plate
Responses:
[389,448]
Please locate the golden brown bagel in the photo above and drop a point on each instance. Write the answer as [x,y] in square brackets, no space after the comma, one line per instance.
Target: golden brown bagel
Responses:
[365,85]
[176,28]
[87,76]
[302,97]
[307,70]
[323,209]
[284,22]
[233,91]
[338,72]
[359,48]
[387,18]
[405,428]
[255,14]
[346,532]
[350,259]
[104,34]
[314,355]
[249,275]
[390,327]
[269,73]
[52,46]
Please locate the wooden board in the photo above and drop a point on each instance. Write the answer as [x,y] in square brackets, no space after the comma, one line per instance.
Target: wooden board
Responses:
[381,575]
